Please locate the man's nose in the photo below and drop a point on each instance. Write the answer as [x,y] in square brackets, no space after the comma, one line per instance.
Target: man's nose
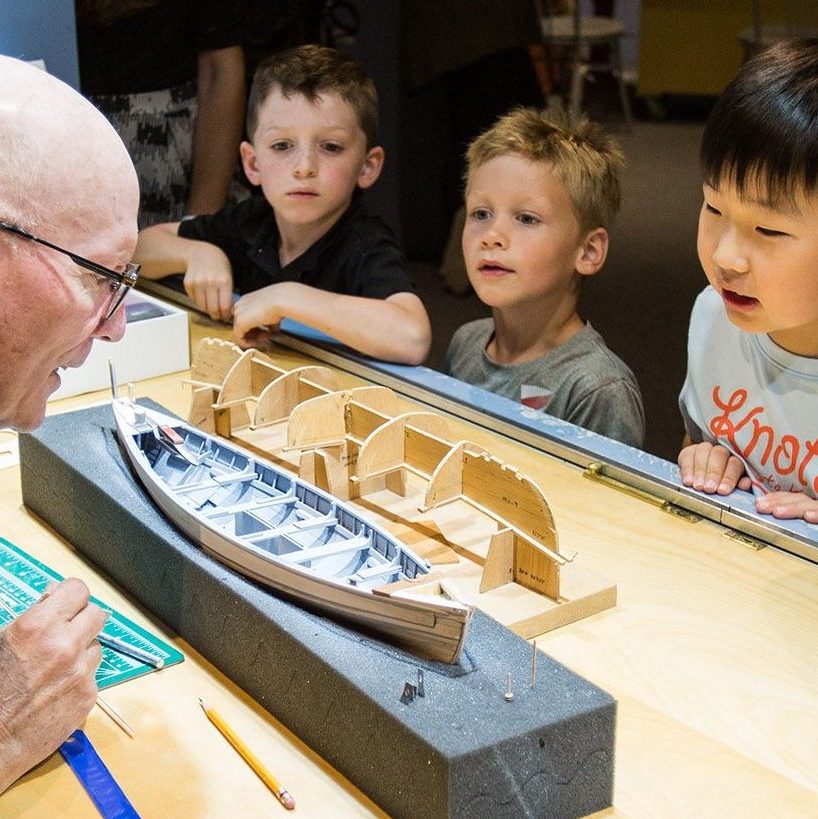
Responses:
[112,329]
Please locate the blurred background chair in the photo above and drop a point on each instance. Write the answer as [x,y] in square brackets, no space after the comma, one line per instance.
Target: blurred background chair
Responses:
[591,43]
[761,34]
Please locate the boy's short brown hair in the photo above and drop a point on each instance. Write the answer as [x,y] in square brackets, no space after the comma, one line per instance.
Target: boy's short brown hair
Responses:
[311,70]
[583,158]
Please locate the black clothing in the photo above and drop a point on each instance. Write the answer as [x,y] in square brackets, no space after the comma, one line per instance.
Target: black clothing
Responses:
[357,256]
[155,47]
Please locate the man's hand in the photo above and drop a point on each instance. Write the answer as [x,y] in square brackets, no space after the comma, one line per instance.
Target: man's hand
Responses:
[48,660]
[209,281]
[789,505]
[712,468]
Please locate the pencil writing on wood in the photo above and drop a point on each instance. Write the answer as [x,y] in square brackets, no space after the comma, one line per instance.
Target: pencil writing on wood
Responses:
[249,757]
[104,706]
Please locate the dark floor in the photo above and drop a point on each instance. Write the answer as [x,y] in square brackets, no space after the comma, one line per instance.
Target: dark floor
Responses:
[641,301]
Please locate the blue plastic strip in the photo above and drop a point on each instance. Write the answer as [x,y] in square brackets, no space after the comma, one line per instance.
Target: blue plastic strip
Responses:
[97,780]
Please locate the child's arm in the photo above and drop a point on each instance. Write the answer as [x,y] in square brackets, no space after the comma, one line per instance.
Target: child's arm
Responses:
[208,275]
[711,468]
[393,329]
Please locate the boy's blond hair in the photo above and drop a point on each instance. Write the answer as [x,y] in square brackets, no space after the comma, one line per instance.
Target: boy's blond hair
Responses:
[587,162]
[312,70]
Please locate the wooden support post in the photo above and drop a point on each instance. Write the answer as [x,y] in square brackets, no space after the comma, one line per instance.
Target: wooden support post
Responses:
[396,482]
[536,569]
[201,407]
[223,422]
[499,566]
[331,471]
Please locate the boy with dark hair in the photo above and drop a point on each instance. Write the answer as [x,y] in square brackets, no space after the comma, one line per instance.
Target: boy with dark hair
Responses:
[749,397]
[307,250]
[540,196]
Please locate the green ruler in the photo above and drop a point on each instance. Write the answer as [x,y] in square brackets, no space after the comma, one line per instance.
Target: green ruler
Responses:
[23,580]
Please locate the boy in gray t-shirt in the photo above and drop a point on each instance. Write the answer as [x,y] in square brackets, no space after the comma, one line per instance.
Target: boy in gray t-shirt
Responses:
[540,195]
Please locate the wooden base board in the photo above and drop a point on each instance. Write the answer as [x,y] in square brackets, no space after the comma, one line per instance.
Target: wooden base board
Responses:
[583,593]
[455,539]
[459,531]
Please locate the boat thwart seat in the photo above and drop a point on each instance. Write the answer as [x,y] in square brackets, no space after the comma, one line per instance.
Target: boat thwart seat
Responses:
[355,544]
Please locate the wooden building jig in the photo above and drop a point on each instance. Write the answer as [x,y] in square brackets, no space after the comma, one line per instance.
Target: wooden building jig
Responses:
[362,444]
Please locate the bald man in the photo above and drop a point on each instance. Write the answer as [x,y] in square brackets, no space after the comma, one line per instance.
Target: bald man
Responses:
[68,204]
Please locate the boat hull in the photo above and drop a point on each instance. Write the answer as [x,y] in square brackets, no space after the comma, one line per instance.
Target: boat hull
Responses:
[426,626]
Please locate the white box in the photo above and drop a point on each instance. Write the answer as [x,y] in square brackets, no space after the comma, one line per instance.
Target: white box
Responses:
[155,343]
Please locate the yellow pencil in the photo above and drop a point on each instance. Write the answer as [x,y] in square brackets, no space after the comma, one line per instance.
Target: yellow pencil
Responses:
[249,757]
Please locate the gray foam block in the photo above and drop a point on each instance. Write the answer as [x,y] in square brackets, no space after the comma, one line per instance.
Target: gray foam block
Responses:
[461,750]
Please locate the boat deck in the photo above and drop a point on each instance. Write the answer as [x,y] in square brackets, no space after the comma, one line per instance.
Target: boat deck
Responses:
[276,513]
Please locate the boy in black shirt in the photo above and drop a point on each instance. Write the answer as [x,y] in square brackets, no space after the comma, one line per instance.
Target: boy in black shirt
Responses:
[306,251]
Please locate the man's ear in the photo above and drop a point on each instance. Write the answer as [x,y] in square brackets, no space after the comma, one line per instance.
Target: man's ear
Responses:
[372,167]
[249,163]
[593,252]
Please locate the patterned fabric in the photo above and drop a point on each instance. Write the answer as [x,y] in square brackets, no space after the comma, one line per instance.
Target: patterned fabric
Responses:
[157,129]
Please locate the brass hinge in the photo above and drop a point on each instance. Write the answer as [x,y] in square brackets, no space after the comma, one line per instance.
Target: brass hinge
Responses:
[745,540]
[595,472]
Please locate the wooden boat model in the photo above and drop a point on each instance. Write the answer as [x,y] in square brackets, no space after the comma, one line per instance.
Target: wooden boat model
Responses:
[290,535]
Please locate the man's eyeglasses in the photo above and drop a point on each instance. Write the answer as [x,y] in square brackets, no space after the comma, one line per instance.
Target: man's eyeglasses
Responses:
[120,283]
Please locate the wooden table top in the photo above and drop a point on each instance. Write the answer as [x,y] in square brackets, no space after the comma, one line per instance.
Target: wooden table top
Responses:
[711,653]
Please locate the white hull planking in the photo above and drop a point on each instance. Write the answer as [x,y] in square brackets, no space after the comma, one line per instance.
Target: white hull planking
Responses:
[426,626]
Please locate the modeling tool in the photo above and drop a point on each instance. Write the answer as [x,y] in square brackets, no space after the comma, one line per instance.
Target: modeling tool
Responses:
[118,644]
[533,663]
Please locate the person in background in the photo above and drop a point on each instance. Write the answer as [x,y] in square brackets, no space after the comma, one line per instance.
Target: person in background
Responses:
[540,196]
[748,401]
[67,182]
[169,74]
[307,250]
[461,68]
